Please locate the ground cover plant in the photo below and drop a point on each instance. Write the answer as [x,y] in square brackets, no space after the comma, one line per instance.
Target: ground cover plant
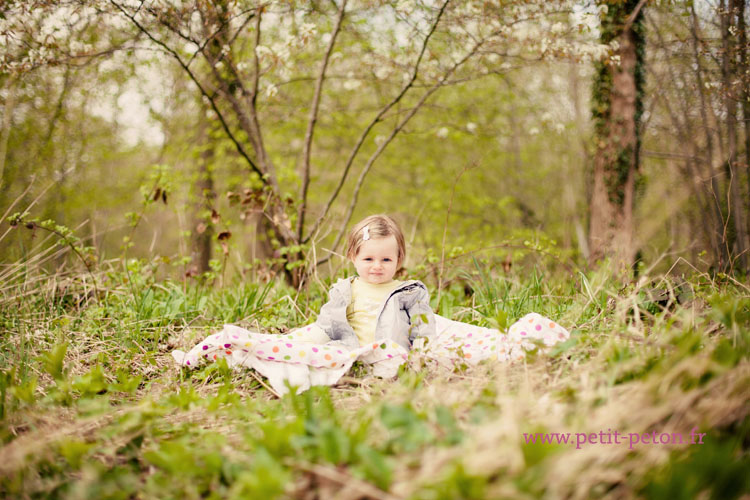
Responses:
[93,406]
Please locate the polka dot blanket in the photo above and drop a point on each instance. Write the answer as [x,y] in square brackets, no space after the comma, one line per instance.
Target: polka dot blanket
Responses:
[305,357]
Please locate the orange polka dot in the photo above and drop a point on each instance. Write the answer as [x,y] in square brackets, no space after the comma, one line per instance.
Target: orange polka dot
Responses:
[333,365]
[531,320]
[214,356]
[374,346]
[275,349]
[481,341]
[551,325]
[467,355]
[229,352]
[328,356]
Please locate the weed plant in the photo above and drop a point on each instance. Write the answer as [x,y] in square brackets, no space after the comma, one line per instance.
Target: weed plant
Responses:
[92,405]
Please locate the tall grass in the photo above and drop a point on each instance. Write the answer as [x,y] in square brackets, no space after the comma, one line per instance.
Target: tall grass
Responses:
[92,406]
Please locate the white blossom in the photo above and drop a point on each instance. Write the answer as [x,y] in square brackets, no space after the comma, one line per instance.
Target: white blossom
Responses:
[471,127]
[442,132]
[190,48]
[263,52]
[307,31]
[352,84]
[281,50]
[382,72]
[557,28]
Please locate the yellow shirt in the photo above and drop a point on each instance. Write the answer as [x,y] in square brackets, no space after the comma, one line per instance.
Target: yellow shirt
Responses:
[363,309]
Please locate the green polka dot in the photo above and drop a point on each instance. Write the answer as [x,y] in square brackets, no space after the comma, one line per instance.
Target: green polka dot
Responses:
[287,357]
[382,346]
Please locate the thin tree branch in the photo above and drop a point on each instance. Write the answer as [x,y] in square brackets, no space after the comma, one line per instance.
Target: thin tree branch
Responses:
[197,82]
[256,60]
[374,122]
[394,132]
[311,125]
[631,18]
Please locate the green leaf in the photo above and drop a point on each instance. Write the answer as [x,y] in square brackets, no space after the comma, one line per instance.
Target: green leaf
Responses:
[53,361]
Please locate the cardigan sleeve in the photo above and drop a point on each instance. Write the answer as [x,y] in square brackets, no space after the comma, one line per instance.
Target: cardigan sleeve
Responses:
[332,319]
[421,316]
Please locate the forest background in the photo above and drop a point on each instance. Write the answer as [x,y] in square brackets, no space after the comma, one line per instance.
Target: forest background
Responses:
[167,167]
[263,131]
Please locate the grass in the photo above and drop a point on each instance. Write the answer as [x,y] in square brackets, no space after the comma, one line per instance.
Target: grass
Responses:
[92,405]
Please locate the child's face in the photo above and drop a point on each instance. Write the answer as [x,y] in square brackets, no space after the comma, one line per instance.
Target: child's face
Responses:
[377,260]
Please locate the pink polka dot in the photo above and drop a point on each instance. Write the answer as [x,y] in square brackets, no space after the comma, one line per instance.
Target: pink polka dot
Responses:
[538,327]
[234,336]
[205,347]
[308,328]
[288,345]
[523,333]
[338,351]
[227,345]
[260,353]
[469,335]
[390,356]
[271,357]
[187,363]
[315,349]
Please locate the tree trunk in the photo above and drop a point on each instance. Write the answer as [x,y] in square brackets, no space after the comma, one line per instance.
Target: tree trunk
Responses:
[744,79]
[721,248]
[202,227]
[569,195]
[5,127]
[617,107]
[729,74]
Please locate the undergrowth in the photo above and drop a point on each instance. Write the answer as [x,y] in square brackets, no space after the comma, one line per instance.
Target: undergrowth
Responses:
[92,405]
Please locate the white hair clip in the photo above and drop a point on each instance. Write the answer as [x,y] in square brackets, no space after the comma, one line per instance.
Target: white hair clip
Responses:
[366,233]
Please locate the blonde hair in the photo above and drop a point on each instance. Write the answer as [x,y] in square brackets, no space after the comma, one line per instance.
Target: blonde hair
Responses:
[378,226]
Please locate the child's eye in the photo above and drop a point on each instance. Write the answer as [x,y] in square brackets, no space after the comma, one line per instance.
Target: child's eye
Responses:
[368,259]
[387,259]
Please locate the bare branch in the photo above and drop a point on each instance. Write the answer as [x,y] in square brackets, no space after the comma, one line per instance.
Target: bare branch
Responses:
[256,60]
[197,82]
[311,125]
[631,18]
[374,122]
[394,132]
